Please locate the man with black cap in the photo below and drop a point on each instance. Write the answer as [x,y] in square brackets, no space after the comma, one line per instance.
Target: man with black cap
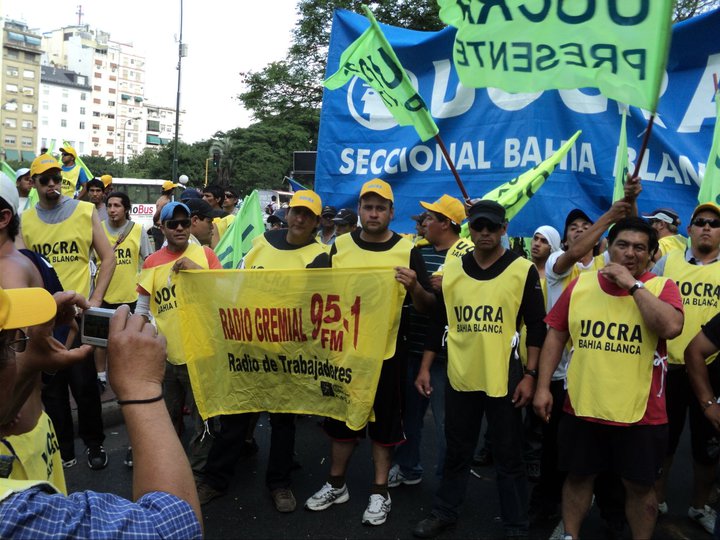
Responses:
[201,220]
[487,293]
[666,222]
[326,234]
[345,221]
[697,273]
[278,219]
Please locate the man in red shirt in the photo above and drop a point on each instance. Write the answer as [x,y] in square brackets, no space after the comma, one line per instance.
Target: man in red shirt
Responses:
[618,319]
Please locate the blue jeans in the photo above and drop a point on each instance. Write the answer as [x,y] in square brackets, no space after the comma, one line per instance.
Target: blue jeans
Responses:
[464,411]
[407,455]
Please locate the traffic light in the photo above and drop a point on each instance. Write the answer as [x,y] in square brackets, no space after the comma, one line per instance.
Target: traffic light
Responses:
[216,159]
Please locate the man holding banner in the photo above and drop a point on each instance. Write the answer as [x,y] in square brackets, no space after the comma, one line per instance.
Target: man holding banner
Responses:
[294,247]
[487,293]
[376,246]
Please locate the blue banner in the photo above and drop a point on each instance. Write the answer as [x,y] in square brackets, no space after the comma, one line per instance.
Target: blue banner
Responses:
[493,136]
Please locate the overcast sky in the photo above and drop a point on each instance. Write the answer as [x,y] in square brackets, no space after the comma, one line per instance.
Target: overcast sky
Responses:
[223,39]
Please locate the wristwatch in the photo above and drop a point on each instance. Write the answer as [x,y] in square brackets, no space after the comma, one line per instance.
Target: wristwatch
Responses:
[709,403]
[532,372]
[635,287]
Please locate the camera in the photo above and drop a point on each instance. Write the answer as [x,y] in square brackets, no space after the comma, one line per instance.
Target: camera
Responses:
[95,326]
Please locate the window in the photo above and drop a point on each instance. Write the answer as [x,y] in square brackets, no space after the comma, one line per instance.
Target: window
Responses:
[96,126]
[98,75]
[28,74]
[82,110]
[11,88]
[11,123]
[111,103]
[27,142]
[28,91]
[96,139]
[82,125]
[43,143]
[65,93]
[63,107]
[11,106]
[27,108]
[27,124]
[82,81]
[112,91]
[109,141]
[63,123]
[96,101]
[12,53]
[96,88]
[10,139]
[44,121]
[12,71]
[83,96]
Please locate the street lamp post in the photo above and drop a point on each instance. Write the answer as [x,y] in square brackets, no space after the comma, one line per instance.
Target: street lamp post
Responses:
[182,52]
[125,128]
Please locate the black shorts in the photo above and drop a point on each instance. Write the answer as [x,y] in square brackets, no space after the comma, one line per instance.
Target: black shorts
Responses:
[636,452]
[387,429]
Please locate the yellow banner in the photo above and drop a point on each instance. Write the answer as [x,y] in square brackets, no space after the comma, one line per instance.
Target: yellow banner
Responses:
[294,341]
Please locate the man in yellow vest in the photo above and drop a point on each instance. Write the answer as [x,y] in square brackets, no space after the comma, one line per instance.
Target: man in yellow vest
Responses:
[666,222]
[291,248]
[167,500]
[486,293]
[618,319]
[74,176]
[66,231]
[697,273]
[376,245]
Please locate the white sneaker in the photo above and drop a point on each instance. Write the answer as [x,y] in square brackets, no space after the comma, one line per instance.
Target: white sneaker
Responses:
[377,510]
[326,496]
[396,477]
[705,517]
[662,508]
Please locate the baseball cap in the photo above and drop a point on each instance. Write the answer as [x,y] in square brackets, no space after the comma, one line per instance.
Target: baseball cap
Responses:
[664,214]
[307,198]
[709,206]
[329,211]
[278,216]
[25,307]
[106,179]
[9,192]
[190,193]
[484,209]
[69,150]
[419,217]
[95,182]
[447,206]
[381,187]
[200,207]
[20,173]
[167,185]
[168,210]
[574,214]
[43,163]
[345,217]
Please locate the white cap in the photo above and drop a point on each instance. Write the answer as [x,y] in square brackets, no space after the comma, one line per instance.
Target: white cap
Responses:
[9,192]
[21,172]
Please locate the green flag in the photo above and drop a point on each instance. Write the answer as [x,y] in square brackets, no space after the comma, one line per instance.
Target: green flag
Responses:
[371,58]
[621,161]
[710,187]
[619,47]
[7,169]
[237,240]
[515,194]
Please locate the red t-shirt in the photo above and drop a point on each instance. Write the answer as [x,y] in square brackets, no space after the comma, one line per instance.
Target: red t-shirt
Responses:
[655,414]
[164,256]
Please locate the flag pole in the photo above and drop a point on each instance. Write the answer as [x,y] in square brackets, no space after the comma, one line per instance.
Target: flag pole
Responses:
[452,168]
[646,138]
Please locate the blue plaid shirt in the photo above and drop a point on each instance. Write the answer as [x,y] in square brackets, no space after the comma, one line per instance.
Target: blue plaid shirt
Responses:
[34,514]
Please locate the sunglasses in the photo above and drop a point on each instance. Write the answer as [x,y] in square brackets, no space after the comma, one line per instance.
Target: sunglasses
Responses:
[44,179]
[175,223]
[19,343]
[230,196]
[701,222]
[481,224]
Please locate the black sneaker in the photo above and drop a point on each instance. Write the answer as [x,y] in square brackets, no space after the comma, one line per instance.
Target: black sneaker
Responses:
[101,386]
[483,458]
[128,457]
[97,458]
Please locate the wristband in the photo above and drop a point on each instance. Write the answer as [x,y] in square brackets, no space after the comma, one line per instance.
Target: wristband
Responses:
[709,403]
[139,401]
[532,372]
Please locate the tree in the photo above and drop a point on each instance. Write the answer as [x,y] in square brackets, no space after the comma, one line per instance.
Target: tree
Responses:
[684,9]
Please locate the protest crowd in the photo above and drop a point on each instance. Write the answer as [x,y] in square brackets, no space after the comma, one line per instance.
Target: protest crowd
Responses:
[582,349]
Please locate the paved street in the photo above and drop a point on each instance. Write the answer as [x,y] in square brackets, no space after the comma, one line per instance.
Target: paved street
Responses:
[247,510]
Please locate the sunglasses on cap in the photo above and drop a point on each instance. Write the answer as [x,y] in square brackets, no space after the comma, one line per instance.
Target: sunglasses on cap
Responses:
[481,224]
[701,222]
[44,179]
[175,223]
[230,196]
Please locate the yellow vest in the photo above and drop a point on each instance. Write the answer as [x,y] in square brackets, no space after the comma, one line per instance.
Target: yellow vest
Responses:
[597,263]
[460,248]
[70,180]
[37,455]
[9,487]
[163,302]
[671,243]
[700,290]
[222,224]
[482,319]
[123,286]
[264,255]
[66,245]
[610,372]
[350,255]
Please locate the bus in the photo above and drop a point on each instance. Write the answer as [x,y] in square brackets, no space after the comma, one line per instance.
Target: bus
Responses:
[143,193]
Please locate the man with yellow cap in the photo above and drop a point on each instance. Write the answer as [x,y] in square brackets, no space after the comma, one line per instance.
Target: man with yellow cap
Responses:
[290,248]
[376,245]
[696,271]
[74,176]
[166,196]
[442,222]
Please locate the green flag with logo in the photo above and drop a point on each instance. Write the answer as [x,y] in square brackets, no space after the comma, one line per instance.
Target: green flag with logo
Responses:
[617,46]
[237,240]
[371,58]
[621,160]
[710,187]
